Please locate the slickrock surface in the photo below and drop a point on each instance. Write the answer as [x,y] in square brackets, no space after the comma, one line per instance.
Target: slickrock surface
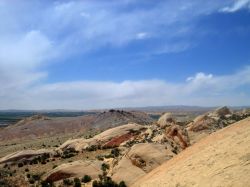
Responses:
[221,159]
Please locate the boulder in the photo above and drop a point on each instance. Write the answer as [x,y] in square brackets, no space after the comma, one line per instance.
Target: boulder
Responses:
[178,135]
[200,123]
[165,120]
[139,160]
[220,112]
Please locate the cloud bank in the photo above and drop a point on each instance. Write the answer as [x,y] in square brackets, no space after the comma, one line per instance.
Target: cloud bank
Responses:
[200,89]
[36,34]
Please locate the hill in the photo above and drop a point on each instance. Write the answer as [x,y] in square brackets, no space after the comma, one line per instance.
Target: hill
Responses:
[221,159]
[42,126]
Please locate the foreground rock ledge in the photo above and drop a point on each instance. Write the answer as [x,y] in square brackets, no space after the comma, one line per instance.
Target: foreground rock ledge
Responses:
[221,159]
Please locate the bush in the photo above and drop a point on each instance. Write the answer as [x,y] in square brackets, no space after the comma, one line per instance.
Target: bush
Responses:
[100,157]
[115,152]
[36,177]
[28,175]
[54,166]
[26,170]
[107,182]
[95,184]
[46,184]
[68,155]
[32,181]
[5,166]
[86,179]
[20,164]
[104,167]
[77,182]
[91,148]
[122,184]
[68,182]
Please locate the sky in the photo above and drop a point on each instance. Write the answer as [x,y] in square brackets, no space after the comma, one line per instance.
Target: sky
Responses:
[94,54]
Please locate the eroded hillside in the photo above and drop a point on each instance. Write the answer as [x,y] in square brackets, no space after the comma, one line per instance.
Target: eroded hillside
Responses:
[134,153]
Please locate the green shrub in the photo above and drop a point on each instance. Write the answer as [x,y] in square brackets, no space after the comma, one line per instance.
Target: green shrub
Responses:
[46,184]
[104,167]
[95,183]
[106,181]
[31,181]
[54,166]
[115,152]
[5,166]
[122,184]
[77,182]
[68,182]
[100,157]
[86,179]
[36,177]
[20,164]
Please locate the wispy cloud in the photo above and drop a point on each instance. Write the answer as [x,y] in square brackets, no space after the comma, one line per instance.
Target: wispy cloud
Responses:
[237,5]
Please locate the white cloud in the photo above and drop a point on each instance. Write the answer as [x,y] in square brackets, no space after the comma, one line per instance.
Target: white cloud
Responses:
[200,77]
[20,57]
[34,34]
[201,89]
[84,25]
[237,5]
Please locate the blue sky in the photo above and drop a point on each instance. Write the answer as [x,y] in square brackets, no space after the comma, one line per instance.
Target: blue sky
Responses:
[101,54]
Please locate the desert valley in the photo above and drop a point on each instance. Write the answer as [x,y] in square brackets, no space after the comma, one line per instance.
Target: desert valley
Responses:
[124,93]
[128,148]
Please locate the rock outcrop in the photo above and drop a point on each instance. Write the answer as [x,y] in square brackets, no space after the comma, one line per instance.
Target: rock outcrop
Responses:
[214,120]
[220,159]
[75,169]
[139,160]
[109,138]
[166,120]
[24,155]
[179,135]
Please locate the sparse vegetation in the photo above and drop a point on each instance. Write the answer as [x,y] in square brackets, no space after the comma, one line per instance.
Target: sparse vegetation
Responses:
[107,182]
[54,166]
[115,152]
[46,184]
[31,181]
[69,153]
[68,182]
[86,179]
[20,164]
[104,167]
[77,182]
